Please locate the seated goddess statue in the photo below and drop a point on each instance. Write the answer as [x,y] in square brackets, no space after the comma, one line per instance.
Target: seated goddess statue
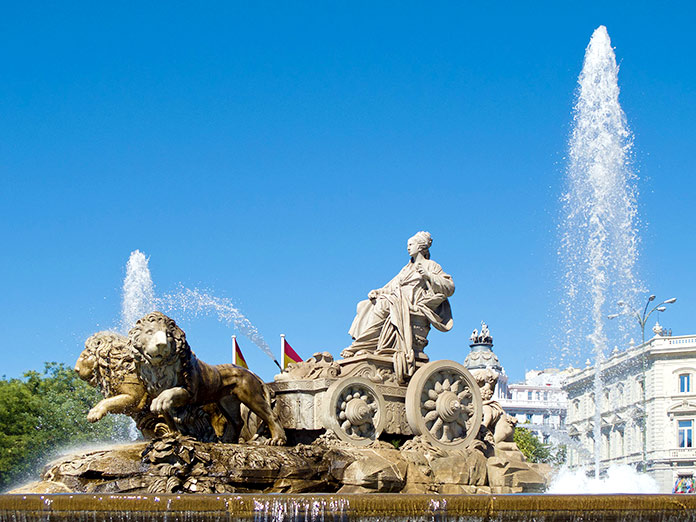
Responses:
[395,319]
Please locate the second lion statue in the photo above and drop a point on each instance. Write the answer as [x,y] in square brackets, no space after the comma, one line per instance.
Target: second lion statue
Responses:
[177,379]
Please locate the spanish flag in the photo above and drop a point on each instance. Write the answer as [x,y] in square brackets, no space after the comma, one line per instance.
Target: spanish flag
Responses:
[287,354]
[237,357]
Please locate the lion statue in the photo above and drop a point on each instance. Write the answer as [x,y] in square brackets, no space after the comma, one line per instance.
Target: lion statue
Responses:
[177,380]
[107,363]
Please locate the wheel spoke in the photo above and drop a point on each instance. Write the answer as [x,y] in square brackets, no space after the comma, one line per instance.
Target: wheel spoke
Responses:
[430,416]
[437,425]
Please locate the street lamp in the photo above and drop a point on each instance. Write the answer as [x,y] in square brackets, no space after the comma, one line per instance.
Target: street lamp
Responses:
[642,320]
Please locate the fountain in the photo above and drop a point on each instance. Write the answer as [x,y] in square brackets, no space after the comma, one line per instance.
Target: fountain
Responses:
[425,435]
[138,291]
[599,239]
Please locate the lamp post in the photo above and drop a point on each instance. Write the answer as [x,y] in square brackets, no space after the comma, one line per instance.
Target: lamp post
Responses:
[642,320]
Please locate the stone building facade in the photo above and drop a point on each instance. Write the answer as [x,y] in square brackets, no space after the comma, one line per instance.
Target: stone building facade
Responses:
[647,405]
[540,404]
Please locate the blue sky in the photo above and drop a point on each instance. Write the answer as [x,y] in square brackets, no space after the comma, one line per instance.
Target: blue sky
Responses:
[282,154]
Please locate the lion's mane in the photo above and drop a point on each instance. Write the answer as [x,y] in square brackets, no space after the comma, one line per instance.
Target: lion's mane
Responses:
[113,361]
[177,370]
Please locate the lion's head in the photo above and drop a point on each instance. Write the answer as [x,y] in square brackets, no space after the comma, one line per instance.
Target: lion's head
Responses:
[162,355]
[105,361]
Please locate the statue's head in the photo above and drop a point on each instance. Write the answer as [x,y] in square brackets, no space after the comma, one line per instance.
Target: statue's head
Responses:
[156,339]
[420,242]
[105,354]
[486,379]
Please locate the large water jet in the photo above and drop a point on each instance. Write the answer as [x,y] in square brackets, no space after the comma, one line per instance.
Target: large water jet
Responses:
[599,244]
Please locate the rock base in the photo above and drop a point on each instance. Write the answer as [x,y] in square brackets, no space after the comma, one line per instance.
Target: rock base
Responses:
[183,465]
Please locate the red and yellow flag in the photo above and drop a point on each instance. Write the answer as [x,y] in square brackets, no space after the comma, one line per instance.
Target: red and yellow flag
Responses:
[237,357]
[287,354]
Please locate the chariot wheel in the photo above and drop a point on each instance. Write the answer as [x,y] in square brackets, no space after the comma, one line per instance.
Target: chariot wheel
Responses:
[354,410]
[443,404]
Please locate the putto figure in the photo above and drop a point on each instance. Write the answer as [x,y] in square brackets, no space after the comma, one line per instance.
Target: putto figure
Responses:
[395,319]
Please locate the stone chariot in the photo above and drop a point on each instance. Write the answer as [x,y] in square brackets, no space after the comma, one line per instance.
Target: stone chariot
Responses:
[359,399]
[384,383]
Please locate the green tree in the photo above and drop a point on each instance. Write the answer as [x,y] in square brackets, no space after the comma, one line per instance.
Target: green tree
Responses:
[537,451]
[531,446]
[43,413]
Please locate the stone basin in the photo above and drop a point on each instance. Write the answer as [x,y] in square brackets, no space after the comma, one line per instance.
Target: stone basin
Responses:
[334,507]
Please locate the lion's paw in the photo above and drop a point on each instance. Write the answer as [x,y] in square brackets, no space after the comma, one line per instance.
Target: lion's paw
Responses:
[96,414]
[161,404]
[276,441]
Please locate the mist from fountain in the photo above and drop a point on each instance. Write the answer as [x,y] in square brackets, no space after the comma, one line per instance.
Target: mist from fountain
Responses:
[139,299]
[599,240]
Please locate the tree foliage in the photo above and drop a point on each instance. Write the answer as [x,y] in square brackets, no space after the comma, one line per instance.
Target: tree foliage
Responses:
[43,413]
[536,451]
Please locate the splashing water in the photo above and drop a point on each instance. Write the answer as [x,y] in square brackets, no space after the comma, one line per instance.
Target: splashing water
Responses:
[599,242]
[619,479]
[197,302]
[139,299]
[138,291]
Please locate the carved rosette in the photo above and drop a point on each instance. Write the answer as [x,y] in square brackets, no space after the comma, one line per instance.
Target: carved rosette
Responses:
[443,403]
[354,410]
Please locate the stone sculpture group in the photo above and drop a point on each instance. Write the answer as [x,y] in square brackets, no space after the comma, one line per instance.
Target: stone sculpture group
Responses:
[381,418]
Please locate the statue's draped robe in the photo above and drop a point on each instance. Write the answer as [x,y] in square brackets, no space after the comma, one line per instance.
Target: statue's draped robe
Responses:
[384,325]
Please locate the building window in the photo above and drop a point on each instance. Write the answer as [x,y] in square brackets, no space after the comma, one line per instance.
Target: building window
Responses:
[686,432]
[546,419]
[529,417]
[685,383]
[529,396]
[546,396]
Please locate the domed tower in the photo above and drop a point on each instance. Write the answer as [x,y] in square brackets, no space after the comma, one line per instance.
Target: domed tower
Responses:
[481,357]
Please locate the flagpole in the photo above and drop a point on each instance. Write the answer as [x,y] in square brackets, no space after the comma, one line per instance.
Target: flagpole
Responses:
[282,352]
[234,349]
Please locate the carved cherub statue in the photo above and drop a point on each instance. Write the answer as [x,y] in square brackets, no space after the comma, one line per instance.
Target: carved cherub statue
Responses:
[499,427]
[474,336]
